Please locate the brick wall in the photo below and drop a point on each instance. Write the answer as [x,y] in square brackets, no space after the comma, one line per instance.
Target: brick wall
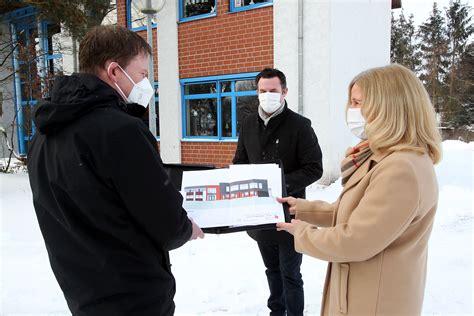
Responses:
[229,43]
[122,13]
[226,44]
[219,154]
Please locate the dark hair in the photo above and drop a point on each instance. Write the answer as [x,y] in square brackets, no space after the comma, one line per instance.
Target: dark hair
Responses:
[272,73]
[109,42]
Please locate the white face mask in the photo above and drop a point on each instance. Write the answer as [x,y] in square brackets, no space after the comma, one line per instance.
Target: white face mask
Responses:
[141,92]
[269,101]
[356,122]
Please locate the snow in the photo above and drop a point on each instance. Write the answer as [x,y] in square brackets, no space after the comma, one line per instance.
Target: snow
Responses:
[224,275]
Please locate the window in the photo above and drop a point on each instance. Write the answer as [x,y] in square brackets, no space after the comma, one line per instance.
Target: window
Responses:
[136,21]
[53,55]
[36,61]
[214,107]
[157,111]
[111,16]
[244,186]
[212,190]
[241,5]
[196,9]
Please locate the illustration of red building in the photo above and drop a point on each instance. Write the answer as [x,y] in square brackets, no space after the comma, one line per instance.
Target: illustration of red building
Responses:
[228,191]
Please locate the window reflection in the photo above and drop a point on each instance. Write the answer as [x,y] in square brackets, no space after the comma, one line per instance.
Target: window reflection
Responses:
[245,85]
[226,105]
[200,88]
[202,117]
[138,19]
[198,7]
[245,106]
[243,3]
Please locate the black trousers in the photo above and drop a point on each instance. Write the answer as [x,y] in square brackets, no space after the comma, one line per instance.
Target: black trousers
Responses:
[284,278]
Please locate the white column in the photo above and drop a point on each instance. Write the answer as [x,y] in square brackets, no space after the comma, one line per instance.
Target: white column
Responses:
[341,39]
[170,94]
[69,55]
[285,46]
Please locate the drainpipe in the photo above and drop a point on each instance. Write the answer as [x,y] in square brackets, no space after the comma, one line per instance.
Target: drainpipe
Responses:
[300,56]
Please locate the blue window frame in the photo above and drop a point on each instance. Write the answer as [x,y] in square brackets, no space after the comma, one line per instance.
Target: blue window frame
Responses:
[36,61]
[214,107]
[136,21]
[190,10]
[243,5]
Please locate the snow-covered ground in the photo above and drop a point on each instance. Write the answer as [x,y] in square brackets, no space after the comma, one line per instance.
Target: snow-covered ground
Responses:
[224,275]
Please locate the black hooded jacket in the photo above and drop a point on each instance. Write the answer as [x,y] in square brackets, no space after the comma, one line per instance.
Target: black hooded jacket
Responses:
[106,208]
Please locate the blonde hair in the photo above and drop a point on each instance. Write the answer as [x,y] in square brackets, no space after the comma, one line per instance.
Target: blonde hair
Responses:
[398,111]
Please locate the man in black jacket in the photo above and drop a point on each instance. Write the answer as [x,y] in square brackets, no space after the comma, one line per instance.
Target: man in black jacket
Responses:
[275,132]
[106,208]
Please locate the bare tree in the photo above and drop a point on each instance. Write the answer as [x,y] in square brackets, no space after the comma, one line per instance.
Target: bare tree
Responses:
[71,19]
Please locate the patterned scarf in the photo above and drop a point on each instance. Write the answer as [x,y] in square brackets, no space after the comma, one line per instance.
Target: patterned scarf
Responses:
[355,157]
[266,118]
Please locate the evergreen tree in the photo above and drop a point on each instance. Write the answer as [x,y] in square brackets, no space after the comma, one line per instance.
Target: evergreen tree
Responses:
[460,110]
[459,30]
[434,53]
[403,49]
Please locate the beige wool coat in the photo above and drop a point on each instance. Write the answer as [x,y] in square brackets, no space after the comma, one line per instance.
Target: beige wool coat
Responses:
[375,236]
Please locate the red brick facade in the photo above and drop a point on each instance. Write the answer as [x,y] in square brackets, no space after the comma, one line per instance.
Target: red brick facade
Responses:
[229,43]
[219,154]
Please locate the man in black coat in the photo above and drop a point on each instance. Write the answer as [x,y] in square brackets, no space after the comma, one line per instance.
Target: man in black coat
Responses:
[275,132]
[106,208]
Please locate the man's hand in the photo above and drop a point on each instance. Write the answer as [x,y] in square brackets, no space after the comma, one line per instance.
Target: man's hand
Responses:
[291,202]
[289,227]
[197,231]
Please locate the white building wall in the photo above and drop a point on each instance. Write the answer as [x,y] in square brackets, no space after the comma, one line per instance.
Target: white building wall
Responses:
[169,89]
[7,96]
[69,52]
[341,39]
[285,46]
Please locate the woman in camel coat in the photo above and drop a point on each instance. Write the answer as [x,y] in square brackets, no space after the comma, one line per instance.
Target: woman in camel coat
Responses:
[375,236]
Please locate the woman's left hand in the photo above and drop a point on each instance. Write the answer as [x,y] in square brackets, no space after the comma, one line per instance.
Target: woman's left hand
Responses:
[288,227]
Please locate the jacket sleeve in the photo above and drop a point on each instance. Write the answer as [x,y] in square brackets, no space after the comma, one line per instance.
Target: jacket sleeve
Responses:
[318,213]
[144,187]
[389,205]
[309,159]
[241,156]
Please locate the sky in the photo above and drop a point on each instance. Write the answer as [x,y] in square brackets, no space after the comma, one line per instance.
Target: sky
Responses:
[421,9]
